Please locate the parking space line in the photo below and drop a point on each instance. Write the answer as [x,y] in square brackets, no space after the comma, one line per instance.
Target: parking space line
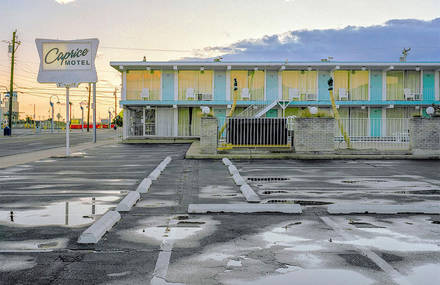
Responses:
[385,266]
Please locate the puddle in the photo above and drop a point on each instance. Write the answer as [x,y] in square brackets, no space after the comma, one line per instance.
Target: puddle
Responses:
[33,244]
[310,277]
[16,263]
[153,203]
[218,191]
[216,256]
[234,263]
[387,240]
[183,233]
[301,202]
[425,275]
[71,213]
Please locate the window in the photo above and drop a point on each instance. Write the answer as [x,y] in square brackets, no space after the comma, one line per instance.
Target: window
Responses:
[351,85]
[250,84]
[403,85]
[143,85]
[299,85]
[195,85]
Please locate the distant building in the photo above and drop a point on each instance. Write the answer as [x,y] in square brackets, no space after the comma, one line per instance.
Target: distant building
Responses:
[4,107]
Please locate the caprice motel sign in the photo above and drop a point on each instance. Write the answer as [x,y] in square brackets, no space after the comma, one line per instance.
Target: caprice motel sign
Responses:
[67,62]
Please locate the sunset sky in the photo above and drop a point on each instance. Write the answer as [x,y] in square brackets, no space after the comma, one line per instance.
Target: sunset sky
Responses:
[186,29]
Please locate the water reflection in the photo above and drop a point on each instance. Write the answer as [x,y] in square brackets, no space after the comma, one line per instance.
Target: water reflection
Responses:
[76,212]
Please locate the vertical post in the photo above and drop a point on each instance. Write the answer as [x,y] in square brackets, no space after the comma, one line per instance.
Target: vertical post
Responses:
[11,87]
[82,118]
[109,119]
[67,122]
[94,112]
[88,108]
[52,116]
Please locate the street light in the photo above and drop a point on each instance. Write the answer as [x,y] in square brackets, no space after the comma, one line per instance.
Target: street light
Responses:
[51,105]
[110,110]
[83,102]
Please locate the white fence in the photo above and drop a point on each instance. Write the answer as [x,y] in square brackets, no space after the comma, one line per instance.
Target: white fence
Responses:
[371,133]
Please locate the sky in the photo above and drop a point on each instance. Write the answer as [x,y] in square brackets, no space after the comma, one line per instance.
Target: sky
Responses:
[298,30]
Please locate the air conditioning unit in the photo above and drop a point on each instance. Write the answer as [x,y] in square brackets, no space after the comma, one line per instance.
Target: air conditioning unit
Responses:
[206,97]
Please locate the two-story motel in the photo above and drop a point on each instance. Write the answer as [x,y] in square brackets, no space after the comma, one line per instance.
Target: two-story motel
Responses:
[164,98]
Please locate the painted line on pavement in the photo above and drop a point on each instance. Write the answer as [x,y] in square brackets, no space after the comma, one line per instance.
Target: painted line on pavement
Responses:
[385,266]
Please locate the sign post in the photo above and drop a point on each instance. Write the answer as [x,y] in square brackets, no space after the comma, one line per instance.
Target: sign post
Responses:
[68,63]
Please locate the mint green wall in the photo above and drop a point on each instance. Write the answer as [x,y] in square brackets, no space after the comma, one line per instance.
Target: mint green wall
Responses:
[219,85]
[271,85]
[428,85]
[375,122]
[375,85]
[323,77]
[168,85]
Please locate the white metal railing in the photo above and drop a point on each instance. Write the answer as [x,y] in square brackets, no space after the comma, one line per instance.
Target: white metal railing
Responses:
[372,133]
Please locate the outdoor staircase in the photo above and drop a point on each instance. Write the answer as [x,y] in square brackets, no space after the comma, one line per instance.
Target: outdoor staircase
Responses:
[256,110]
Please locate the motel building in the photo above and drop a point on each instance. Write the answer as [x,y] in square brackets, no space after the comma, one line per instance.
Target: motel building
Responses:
[164,99]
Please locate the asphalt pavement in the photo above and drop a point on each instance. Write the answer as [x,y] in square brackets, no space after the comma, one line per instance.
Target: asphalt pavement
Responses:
[53,200]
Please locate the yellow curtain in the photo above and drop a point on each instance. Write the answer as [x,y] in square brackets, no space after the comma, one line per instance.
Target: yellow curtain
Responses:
[395,85]
[340,81]
[358,85]
[139,79]
[304,81]
[183,122]
[253,80]
[200,81]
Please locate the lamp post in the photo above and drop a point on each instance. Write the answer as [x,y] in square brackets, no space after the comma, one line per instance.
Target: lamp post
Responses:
[110,110]
[51,105]
[82,113]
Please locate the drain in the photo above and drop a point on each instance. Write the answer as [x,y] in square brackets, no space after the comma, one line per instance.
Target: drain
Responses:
[420,192]
[267,179]
[270,192]
[301,202]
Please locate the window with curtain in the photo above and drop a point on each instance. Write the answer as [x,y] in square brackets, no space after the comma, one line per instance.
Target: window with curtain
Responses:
[251,79]
[303,81]
[137,80]
[199,81]
[398,119]
[189,121]
[399,80]
[355,82]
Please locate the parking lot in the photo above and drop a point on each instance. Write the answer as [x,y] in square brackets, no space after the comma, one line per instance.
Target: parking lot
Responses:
[45,205]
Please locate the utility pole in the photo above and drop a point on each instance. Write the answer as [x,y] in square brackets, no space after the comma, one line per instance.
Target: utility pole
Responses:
[11,88]
[88,108]
[116,103]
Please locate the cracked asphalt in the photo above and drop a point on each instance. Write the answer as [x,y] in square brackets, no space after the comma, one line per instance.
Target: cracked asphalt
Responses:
[53,200]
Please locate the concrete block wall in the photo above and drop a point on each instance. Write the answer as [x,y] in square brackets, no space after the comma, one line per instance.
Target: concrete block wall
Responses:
[425,135]
[208,135]
[314,134]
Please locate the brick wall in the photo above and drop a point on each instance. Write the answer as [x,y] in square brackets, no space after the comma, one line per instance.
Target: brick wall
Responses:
[208,135]
[314,134]
[425,135]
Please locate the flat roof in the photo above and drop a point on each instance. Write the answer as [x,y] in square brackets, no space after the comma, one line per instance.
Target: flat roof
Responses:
[275,65]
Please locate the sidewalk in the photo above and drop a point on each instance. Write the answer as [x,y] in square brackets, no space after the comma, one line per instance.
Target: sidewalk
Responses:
[12,160]
[194,153]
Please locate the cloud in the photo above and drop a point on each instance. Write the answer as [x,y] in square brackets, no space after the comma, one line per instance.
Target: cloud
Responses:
[380,42]
[64,1]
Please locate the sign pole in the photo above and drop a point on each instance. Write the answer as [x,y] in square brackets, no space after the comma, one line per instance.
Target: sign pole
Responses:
[67,122]
[94,112]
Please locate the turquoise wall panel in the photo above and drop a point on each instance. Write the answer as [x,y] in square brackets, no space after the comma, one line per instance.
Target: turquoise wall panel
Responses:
[375,122]
[220,114]
[273,113]
[168,85]
[428,86]
[219,85]
[271,86]
[375,85]
[323,77]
